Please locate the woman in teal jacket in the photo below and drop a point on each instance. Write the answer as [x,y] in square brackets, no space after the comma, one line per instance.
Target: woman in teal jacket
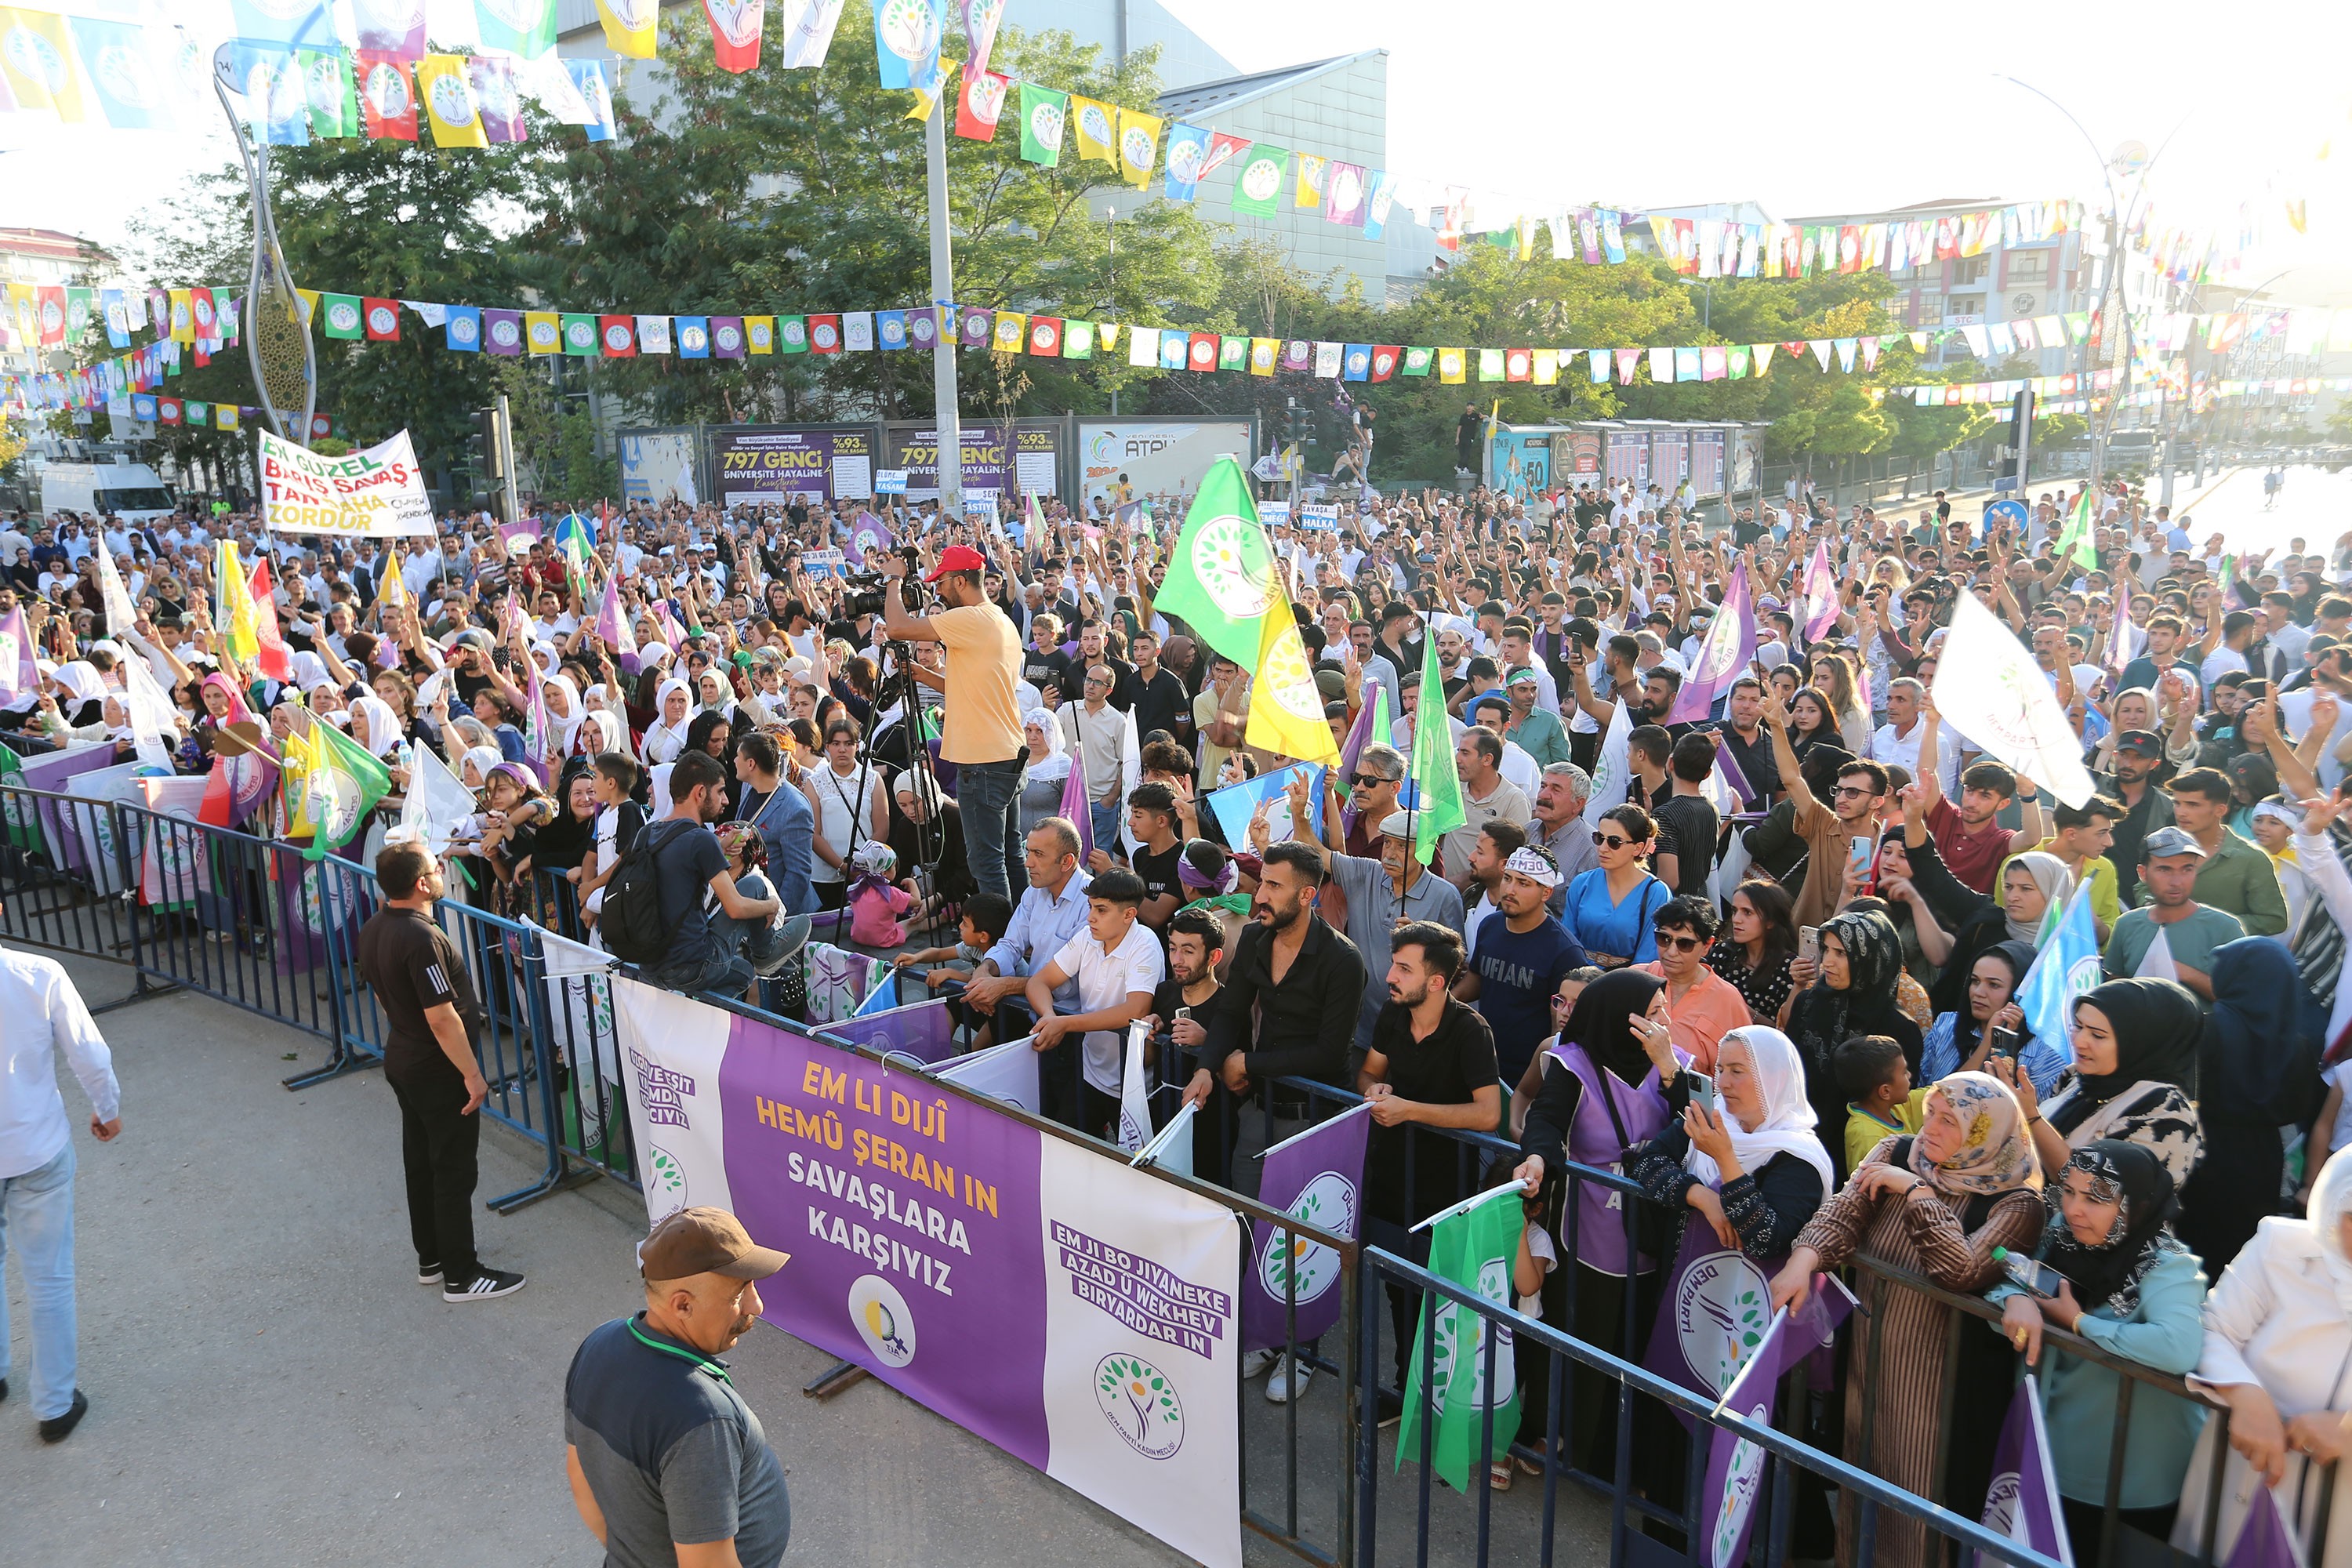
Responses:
[2133,1290]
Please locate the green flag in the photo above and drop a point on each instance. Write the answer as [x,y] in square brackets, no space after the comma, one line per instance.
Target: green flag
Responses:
[339,316]
[19,824]
[1474,1247]
[1436,781]
[521,28]
[343,785]
[334,100]
[1044,112]
[2079,543]
[1219,579]
[1257,184]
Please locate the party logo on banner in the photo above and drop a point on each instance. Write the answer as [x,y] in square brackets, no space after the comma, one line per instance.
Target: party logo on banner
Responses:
[883,1320]
[1722,1306]
[1140,1403]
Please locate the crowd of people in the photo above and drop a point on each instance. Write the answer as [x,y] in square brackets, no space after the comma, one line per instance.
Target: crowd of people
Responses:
[1772,967]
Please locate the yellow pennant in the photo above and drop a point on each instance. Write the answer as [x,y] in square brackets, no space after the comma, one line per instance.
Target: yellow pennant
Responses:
[632,27]
[1285,706]
[448,97]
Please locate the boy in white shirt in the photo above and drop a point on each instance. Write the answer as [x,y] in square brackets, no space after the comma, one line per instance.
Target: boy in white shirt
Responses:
[616,777]
[1116,964]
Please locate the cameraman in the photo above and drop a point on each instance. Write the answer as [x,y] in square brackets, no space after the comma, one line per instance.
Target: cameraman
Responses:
[981,732]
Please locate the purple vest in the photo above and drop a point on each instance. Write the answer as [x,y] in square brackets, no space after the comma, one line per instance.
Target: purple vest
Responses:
[1599,1242]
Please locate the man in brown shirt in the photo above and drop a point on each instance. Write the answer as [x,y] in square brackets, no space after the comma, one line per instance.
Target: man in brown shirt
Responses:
[1854,811]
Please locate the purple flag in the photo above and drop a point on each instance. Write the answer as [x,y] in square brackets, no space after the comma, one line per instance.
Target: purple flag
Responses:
[2023,1501]
[1298,354]
[1714,1315]
[868,534]
[2262,1541]
[1317,1177]
[1735,1466]
[1730,643]
[20,676]
[544,754]
[921,1029]
[503,330]
[1361,733]
[1821,595]
[1075,805]
[612,624]
[1735,777]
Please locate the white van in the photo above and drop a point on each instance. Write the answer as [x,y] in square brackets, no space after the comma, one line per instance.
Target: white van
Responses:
[132,491]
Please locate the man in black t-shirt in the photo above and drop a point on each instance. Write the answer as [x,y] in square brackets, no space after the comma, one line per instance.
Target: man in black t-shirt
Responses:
[1687,820]
[1196,944]
[1151,817]
[688,863]
[431,1019]
[1160,701]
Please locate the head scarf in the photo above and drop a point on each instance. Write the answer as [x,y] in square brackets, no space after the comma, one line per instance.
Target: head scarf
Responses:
[1873,962]
[2050,875]
[81,678]
[238,714]
[1598,1021]
[2110,1270]
[567,724]
[384,731]
[1194,879]
[1787,1123]
[605,732]
[1995,1156]
[664,739]
[2262,1025]
[2331,1200]
[309,670]
[483,759]
[2156,1025]
[1054,767]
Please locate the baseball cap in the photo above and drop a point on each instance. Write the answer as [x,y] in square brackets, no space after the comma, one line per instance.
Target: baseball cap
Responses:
[2168,841]
[705,1241]
[956,558]
[2140,744]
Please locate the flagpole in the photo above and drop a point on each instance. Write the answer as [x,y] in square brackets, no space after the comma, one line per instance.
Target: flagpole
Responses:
[946,419]
[1323,1126]
[1472,1202]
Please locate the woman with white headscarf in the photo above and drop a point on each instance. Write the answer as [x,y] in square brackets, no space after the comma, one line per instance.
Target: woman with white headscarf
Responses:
[1049,767]
[564,711]
[674,711]
[602,730]
[374,725]
[2278,1353]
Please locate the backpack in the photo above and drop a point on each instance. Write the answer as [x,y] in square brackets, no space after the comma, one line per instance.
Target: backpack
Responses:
[634,928]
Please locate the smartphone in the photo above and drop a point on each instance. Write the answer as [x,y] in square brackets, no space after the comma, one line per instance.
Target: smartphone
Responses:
[1809,944]
[2039,1277]
[1703,1093]
[1859,851]
[2004,1043]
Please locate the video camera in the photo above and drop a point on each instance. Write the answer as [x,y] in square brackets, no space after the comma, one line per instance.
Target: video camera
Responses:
[865,587]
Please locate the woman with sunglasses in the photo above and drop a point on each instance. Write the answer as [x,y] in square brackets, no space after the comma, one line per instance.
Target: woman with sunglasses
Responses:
[1610,908]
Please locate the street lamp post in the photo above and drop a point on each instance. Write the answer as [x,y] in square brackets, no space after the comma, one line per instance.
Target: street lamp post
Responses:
[946,420]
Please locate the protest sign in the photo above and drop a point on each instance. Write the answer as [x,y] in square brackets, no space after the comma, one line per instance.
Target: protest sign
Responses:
[377,490]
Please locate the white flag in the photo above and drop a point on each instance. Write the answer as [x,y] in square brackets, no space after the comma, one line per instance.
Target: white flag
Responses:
[1173,1149]
[1134,1108]
[1007,1072]
[153,720]
[1608,768]
[119,614]
[1989,688]
[2156,964]
[436,801]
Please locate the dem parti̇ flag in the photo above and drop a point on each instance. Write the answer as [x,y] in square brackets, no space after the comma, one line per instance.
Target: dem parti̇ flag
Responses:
[1474,1247]
[1437,808]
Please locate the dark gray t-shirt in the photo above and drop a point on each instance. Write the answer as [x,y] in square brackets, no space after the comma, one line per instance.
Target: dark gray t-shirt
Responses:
[671,1452]
[686,859]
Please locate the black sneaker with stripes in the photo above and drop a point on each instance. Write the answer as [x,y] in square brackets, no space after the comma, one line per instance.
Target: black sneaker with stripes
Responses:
[487,1286]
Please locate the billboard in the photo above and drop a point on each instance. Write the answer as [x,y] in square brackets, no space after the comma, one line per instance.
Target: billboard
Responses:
[1154,457]
[662,465]
[769,464]
[1026,460]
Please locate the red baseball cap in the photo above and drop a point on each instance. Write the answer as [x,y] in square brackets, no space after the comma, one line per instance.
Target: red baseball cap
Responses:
[957,558]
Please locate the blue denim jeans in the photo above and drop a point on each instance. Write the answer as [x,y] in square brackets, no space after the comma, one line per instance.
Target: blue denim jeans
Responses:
[36,1214]
[988,797]
[1106,825]
[758,943]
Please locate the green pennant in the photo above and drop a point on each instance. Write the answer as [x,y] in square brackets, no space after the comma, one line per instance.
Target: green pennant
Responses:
[1077,340]
[1417,361]
[1233,353]
[1472,1250]
[1259,182]
[1436,778]
[339,316]
[1043,112]
[580,334]
[343,785]
[334,95]
[1220,574]
[791,334]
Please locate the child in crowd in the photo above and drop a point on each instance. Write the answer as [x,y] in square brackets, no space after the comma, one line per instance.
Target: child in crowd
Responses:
[874,904]
[619,820]
[1873,1073]
[985,916]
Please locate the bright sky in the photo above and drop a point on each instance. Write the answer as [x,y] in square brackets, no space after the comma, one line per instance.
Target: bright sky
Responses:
[1837,106]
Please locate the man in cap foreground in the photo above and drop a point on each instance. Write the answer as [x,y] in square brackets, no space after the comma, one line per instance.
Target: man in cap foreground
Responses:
[666,1462]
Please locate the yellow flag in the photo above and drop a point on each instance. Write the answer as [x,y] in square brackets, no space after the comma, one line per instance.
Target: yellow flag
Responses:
[543,331]
[1138,146]
[37,56]
[184,317]
[1097,138]
[238,618]
[1546,367]
[449,99]
[1450,364]
[759,334]
[1107,334]
[927,97]
[1311,168]
[1012,329]
[1263,353]
[300,753]
[1285,707]
[630,27]
[309,298]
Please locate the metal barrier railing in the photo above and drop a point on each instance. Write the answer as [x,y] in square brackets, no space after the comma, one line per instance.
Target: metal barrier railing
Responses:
[253,922]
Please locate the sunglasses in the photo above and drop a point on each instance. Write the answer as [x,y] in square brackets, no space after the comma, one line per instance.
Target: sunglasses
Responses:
[1680,943]
[1561,1003]
[1366,781]
[1612,841]
[1853,792]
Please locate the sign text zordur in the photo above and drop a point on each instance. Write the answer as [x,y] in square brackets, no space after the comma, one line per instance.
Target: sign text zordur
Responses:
[1080,1315]
[768,465]
[374,490]
[989,462]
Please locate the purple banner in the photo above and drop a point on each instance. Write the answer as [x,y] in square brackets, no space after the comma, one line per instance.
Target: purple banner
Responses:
[921,1029]
[912,1218]
[1735,1468]
[50,771]
[1717,1307]
[1317,1178]
[1027,461]
[2023,1501]
[768,465]
[319,908]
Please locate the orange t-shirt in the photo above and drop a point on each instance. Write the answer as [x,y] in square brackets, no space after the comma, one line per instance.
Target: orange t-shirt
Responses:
[982,722]
[1708,1010]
